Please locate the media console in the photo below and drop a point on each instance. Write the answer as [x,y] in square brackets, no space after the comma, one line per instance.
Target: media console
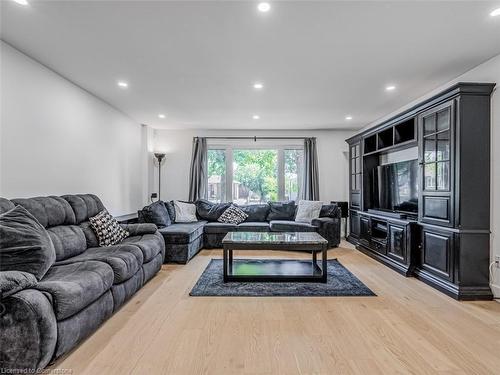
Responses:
[447,245]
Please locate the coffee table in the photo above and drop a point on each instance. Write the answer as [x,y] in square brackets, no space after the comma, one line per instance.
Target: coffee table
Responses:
[290,270]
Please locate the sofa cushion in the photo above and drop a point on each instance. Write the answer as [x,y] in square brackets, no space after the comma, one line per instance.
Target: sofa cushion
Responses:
[13,281]
[216,227]
[281,211]
[329,210]
[68,240]
[125,260]
[150,244]
[84,206]
[108,230]
[256,212]
[49,211]
[182,233]
[72,287]
[25,244]
[291,226]
[169,205]
[6,205]
[210,211]
[155,213]
[253,227]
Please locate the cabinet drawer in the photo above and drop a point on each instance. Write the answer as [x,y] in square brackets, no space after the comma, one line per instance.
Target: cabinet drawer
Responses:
[437,252]
[355,199]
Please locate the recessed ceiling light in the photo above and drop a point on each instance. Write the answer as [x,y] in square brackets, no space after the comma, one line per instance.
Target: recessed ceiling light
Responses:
[161,115]
[21,2]
[264,7]
[256,117]
[348,117]
[122,84]
[390,88]
[495,13]
[258,86]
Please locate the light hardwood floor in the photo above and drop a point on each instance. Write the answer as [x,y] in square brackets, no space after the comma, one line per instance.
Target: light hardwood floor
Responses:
[409,328]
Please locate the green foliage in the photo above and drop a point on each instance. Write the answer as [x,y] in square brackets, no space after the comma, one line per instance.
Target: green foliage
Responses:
[256,170]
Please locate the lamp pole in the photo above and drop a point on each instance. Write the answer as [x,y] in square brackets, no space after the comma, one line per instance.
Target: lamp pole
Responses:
[160,157]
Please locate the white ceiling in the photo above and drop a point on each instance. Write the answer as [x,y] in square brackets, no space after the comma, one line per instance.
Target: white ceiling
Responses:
[196,60]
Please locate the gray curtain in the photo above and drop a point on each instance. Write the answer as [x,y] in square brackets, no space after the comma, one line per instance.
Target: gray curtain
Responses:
[310,184]
[198,171]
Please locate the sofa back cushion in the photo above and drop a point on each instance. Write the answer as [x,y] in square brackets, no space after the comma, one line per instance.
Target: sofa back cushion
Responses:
[155,213]
[210,211]
[25,244]
[256,212]
[281,211]
[59,217]
[84,206]
[6,205]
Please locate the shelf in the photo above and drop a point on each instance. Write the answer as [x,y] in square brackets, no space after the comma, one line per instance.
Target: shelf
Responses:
[405,132]
[370,144]
[385,138]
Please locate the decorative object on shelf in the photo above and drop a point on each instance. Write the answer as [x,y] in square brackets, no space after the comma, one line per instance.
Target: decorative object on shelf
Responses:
[159,156]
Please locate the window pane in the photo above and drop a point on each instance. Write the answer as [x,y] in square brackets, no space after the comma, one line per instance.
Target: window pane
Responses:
[293,172]
[255,176]
[429,150]
[430,124]
[443,119]
[430,176]
[443,146]
[443,175]
[216,175]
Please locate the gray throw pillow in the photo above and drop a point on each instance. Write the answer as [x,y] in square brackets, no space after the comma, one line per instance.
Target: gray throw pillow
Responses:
[157,214]
[25,245]
[281,211]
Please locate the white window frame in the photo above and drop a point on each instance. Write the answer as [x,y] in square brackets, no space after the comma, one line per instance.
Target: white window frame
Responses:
[229,147]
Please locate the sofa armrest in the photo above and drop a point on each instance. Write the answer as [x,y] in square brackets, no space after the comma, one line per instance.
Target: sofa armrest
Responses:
[14,281]
[329,229]
[28,331]
[140,229]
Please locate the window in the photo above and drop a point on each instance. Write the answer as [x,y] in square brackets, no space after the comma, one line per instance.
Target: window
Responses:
[254,175]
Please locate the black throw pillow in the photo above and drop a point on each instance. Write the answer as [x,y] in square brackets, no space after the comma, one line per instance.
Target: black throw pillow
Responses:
[171,210]
[25,245]
[328,210]
[281,211]
[210,211]
[157,214]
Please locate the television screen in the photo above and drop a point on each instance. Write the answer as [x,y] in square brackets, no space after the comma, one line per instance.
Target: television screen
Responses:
[396,187]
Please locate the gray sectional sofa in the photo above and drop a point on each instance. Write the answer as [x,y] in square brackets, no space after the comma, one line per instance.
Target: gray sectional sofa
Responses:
[40,320]
[185,240]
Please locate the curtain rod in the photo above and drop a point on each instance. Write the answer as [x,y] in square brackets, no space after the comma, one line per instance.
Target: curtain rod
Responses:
[255,138]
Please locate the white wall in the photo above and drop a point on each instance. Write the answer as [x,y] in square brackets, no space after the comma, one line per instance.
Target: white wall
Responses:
[486,72]
[58,139]
[332,156]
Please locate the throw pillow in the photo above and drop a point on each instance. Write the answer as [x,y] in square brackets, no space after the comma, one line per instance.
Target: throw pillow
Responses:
[171,210]
[255,212]
[25,245]
[107,229]
[185,212]
[157,214]
[233,215]
[210,211]
[281,211]
[307,211]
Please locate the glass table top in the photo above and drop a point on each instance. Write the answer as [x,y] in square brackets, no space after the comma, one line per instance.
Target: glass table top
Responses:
[274,238]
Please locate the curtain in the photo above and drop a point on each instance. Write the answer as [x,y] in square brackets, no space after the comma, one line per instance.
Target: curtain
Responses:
[198,171]
[310,185]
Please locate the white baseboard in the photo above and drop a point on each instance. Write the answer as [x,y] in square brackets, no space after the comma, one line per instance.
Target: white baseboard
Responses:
[496,290]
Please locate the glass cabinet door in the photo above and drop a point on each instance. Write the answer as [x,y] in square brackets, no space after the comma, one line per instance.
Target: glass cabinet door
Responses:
[436,150]
[355,156]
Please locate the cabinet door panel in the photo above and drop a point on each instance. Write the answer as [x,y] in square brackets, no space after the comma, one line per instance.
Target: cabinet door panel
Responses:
[354,224]
[437,256]
[364,230]
[397,246]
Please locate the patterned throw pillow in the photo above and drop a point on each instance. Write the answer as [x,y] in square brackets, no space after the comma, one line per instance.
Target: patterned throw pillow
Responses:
[233,215]
[108,230]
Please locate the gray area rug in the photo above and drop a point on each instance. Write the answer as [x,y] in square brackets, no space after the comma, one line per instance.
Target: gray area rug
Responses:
[340,283]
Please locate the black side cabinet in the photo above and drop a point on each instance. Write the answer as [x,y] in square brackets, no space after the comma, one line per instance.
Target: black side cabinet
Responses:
[448,245]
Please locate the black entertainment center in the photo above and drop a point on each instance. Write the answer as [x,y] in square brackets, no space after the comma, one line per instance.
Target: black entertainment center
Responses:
[420,191]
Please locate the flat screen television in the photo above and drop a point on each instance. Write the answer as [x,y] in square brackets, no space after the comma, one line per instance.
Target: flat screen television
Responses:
[396,187]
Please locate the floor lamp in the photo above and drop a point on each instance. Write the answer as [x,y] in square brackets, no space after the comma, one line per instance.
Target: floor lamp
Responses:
[159,156]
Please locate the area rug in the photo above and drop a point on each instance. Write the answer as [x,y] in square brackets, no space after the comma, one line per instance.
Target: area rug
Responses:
[340,283]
